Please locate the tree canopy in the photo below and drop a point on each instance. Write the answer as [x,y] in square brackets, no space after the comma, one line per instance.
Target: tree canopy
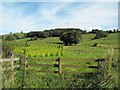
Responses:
[52,32]
[71,37]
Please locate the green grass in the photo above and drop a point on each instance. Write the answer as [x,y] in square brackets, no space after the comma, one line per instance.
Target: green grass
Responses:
[45,51]
[78,54]
[49,48]
[38,48]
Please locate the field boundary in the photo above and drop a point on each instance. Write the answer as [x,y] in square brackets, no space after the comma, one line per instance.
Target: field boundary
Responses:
[24,66]
[59,67]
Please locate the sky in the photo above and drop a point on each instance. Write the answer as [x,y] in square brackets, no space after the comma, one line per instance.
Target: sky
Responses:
[17,16]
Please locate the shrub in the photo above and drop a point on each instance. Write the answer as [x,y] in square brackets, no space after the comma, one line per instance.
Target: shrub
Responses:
[10,38]
[18,35]
[100,34]
[35,37]
[6,50]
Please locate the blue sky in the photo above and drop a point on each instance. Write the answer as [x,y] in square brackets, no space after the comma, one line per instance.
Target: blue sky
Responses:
[33,16]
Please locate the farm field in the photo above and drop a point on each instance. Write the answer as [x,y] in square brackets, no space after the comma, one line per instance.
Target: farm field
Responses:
[75,58]
[52,47]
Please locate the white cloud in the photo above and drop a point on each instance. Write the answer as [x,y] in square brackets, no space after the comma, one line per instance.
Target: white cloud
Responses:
[97,15]
[13,20]
[49,12]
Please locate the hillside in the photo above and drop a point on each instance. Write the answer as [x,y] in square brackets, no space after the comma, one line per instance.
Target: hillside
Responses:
[75,59]
[51,46]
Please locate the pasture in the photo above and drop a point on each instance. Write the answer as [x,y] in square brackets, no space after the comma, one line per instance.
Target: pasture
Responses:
[75,58]
[52,47]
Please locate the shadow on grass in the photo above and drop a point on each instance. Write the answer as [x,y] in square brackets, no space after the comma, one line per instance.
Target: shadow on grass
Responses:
[55,42]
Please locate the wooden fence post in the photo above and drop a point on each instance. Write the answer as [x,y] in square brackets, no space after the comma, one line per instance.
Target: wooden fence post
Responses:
[25,66]
[99,68]
[20,62]
[1,75]
[26,62]
[12,70]
[60,66]
[99,60]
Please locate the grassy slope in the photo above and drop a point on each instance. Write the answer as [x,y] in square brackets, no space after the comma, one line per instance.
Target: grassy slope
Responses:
[85,49]
[82,50]
[81,55]
[76,54]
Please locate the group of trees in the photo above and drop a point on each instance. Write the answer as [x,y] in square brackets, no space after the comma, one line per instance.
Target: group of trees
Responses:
[38,34]
[14,36]
[113,31]
[69,36]
[94,31]
[52,32]
[101,33]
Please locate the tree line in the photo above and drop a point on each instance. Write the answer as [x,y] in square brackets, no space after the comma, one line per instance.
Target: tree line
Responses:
[69,36]
[52,32]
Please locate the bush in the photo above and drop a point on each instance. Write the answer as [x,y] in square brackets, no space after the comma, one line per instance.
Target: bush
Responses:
[6,50]
[10,38]
[18,35]
[35,37]
[100,34]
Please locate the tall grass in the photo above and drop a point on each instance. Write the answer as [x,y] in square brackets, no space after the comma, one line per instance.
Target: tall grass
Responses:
[109,70]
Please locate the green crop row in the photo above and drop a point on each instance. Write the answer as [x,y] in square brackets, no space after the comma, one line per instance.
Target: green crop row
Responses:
[47,54]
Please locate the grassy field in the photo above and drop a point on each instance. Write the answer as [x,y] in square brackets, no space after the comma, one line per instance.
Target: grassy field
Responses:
[51,47]
[45,51]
